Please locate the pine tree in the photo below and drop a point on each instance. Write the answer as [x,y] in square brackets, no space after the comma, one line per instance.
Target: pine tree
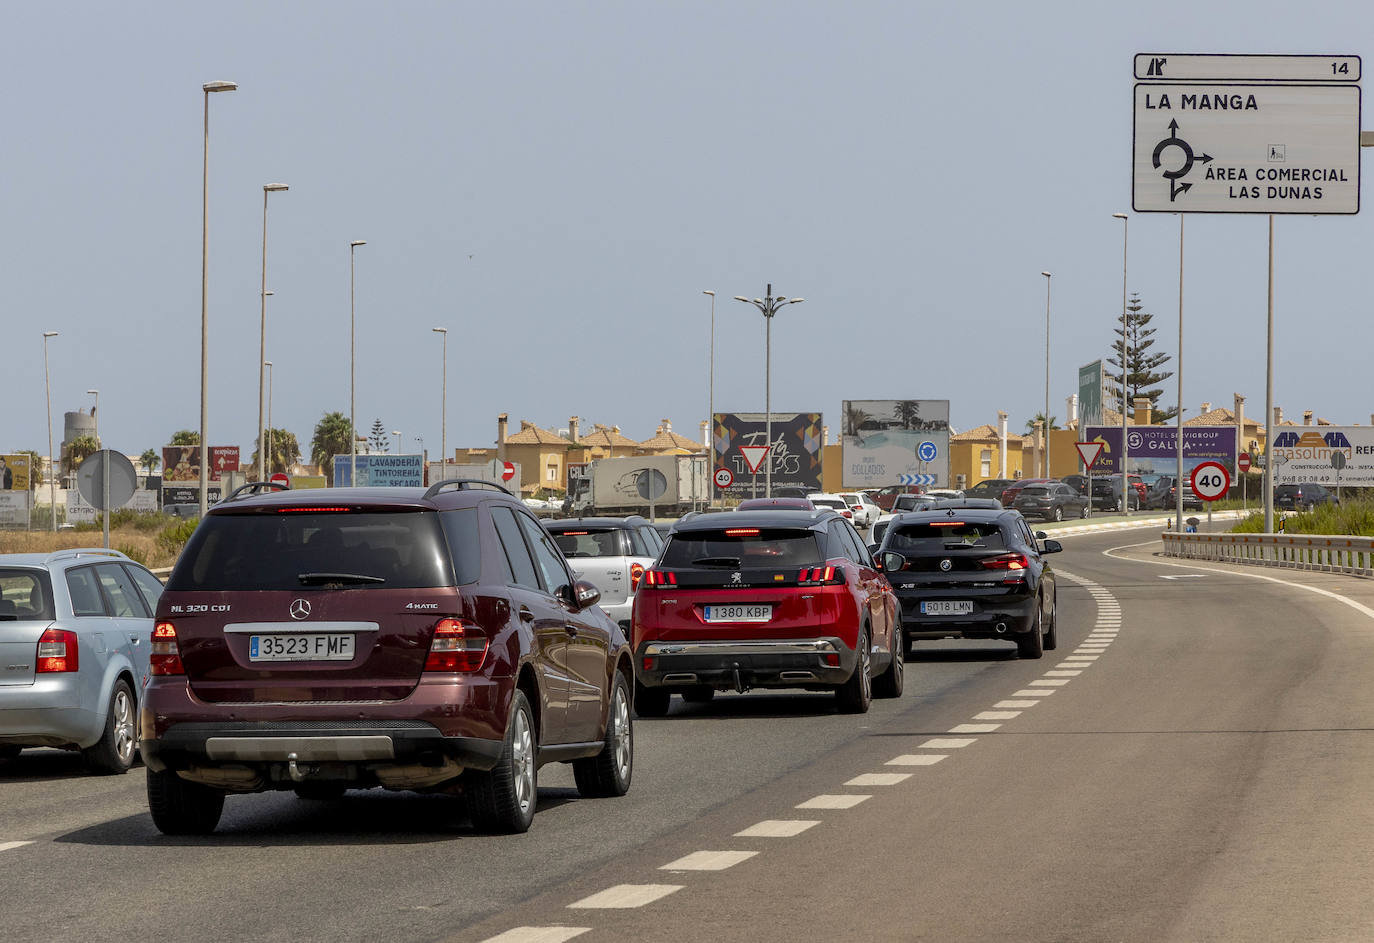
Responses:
[377,441]
[1141,364]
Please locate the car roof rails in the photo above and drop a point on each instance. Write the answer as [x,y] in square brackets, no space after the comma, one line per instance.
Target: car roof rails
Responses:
[74,552]
[255,487]
[464,484]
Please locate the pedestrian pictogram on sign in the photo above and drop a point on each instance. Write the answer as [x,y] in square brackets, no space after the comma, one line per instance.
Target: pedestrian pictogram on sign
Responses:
[1088,452]
[753,456]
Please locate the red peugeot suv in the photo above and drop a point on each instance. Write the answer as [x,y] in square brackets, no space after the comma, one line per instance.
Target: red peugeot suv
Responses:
[338,639]
[766,599]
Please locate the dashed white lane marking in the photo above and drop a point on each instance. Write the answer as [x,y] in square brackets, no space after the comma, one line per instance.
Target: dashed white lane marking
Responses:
[917,759]
[947,743]
[1050,682]
[1081,657]
[538,935]
[6,846]
[708,861]
[778,828]
[1014,705]
[623,896]
[1032,692]
[1062,674]
[878,779]
[1090,650]
[996,715]
[974,728]
[832,802]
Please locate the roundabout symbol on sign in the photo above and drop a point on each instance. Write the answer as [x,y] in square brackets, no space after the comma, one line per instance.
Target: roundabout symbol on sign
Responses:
[926,451]
[1173,175]
[1210,481]
[723,478]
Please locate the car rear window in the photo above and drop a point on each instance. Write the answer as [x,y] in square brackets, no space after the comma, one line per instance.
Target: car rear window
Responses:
[741,547]
[1034,491]
[1286,489]
[591,542]
[24,594]
[936,536]
[829,503]
[270,551]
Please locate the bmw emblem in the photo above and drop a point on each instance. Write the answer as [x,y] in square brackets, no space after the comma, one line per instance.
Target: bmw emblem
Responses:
[300,609]
[945,565]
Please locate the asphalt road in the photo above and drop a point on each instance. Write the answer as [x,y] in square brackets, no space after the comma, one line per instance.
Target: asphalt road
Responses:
[1192,764]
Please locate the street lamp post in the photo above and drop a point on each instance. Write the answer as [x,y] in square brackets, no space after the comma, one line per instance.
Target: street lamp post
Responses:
[711,405]
[443,404]
[768,306]
[262,337]
[1047,373]
[105,524]
[208,87]
[268,365]
[352,364]
[52,462]
[1125,447]
[397,434]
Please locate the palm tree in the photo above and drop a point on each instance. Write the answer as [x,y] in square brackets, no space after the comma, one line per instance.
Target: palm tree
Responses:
[854,418]
[185,437]
[909,413]
[1036,420]
[77,451]
[333,436]
[151,458]
[283,450]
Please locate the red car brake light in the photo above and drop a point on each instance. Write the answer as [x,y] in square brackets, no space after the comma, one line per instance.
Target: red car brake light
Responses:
[636,574]
[165,655]
[833,575]
[458,645]
[57,651]
[654,578]
[741,532]
[1005,561]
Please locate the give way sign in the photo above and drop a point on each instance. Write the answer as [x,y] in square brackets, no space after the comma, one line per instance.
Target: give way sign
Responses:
[1088,452]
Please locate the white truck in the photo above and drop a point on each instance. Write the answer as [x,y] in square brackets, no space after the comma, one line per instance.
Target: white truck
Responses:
[670,485]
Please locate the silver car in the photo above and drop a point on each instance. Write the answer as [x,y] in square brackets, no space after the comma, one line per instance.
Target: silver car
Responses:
[75,630]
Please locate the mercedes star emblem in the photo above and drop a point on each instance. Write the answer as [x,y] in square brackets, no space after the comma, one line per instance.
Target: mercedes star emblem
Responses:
[300,608]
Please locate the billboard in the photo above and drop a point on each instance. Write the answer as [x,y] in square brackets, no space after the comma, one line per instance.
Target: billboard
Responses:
[387,471]
[1091,378]
[1154,449]
[181,463]
[795,453]
[1305,454]
[14,508]
[182,494]
[14,472]
[894,442]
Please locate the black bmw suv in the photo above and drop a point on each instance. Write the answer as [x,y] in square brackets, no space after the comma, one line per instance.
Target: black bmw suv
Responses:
[963,572]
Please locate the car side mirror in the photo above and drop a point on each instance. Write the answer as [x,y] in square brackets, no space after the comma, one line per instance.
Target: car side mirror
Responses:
[1040,535]
[889,561]
[1051,546]
[585,595]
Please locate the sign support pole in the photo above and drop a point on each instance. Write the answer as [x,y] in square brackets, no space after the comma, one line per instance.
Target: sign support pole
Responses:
[1269,398]
[1178,480]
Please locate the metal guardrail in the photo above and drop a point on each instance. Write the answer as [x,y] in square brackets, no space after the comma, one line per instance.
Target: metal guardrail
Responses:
[1353,556]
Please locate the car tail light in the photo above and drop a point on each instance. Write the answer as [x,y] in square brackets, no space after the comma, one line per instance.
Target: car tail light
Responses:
[636,574]
[648,662]
[821,574]
[659,578]
[856,507]
[165,656]
[848,515]
[458,645]
[741,532]
[57,651]
[1006,561]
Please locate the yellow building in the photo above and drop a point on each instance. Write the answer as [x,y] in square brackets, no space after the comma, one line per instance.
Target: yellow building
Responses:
[977,456]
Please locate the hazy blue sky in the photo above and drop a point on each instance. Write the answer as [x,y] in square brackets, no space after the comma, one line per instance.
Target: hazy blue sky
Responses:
[557,184]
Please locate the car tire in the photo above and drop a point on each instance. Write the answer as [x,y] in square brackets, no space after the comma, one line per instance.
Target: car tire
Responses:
[609,772]
[1057,514]
[113,753]
[1083,513]
[1051,636]
[891,682]
[503,798]
[701,695]
[1032,644]
[652,702]
[181,807]
[856,694]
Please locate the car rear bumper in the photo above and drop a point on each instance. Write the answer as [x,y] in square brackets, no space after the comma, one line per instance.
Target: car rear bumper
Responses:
[48,713]
[992,617]
[767,663]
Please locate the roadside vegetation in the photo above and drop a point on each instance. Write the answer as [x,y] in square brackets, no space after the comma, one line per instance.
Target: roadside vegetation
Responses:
[154,540]
[1349,518]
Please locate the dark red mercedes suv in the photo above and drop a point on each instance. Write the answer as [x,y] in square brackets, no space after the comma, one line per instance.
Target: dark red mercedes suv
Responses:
[766,599]
[397,637]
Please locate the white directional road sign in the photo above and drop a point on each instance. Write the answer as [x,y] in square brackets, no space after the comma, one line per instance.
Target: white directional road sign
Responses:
[1246,134]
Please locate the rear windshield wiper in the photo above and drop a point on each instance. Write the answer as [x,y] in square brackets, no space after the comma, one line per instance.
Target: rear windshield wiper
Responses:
[957,545]
[717,561]
[318,579]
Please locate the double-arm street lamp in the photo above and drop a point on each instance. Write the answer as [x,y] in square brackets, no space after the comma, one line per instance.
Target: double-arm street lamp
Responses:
[1046,423]
[52,459]
[768,306]
[711,406]
[262,337]
[352,363]
[208,87]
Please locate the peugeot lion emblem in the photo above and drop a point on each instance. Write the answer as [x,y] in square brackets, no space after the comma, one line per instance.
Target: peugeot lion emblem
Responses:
[300,609]
[944,565]
[734,577]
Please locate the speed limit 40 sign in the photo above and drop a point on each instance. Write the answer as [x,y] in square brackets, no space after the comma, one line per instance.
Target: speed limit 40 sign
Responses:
[1210,481]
